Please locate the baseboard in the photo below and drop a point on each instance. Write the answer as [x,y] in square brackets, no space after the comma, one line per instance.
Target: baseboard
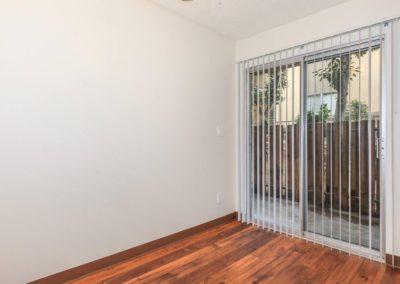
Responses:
[389,261]
[87,268]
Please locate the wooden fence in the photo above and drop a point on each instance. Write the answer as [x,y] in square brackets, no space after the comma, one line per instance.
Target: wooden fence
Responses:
[328,172]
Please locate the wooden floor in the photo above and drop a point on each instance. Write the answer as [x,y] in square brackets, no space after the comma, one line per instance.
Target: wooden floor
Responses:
[238,253]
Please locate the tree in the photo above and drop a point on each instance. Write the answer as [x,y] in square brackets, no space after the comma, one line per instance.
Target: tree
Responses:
[322,116]
[339,72]
[324,113]
[271,94]
[356,111]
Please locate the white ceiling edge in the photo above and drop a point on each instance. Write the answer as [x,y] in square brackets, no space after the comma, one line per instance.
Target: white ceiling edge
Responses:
[240,19]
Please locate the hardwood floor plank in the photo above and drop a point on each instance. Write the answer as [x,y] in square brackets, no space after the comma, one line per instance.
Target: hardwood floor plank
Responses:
[286,266]
[186,266]
[369,272]
[218,232]
[204,273]
[326,263]
[304,269]
[268,272]
[185,255]
[240,240]
[351,266]
[243,268]
[240,253]
[391,276]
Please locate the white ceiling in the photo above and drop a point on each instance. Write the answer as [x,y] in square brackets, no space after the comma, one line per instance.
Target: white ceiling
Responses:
[239,19]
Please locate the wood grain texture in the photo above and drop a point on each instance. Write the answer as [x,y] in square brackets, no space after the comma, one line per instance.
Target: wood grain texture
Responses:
[107,261]
[239,253]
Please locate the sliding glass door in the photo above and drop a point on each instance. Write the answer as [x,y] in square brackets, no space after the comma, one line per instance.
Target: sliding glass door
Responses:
[310,141]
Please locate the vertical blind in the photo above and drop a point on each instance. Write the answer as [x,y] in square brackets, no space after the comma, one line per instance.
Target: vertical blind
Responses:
[311,128]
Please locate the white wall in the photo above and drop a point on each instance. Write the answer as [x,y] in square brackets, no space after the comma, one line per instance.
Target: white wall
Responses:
[108,115]
[341,18]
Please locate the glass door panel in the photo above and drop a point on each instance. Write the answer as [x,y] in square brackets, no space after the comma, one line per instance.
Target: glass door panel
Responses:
[275,148]
[342,127]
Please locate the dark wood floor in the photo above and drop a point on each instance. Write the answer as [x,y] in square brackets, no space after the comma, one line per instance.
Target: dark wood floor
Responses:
[237,253]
